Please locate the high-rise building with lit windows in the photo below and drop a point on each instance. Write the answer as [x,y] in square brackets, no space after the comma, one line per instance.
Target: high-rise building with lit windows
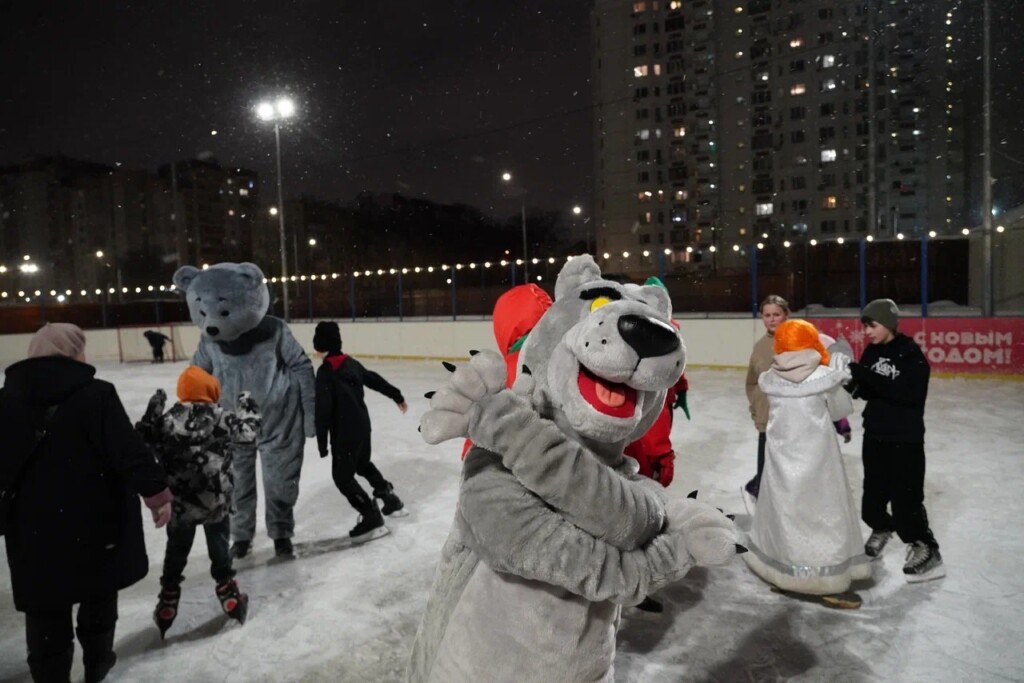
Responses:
[723,124]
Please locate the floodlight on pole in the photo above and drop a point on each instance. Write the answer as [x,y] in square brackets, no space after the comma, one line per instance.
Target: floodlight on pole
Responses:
[276,112]
[507,177]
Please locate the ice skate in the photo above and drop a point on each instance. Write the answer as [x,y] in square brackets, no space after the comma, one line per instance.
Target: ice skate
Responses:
[370,526]
[391,505]
[166,608]
[924,563]
[234,602]
[240,549]
[876,543]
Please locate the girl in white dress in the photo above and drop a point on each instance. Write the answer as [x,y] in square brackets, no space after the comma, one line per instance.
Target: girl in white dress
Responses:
[806,535]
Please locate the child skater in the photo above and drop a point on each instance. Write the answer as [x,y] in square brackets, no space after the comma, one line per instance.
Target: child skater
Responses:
[343,423]
[892,376]
[192,441]
[805,536]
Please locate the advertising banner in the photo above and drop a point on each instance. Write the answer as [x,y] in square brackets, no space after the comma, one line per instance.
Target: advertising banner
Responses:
[958,345]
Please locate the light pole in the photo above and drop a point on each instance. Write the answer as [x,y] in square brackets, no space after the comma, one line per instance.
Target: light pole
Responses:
[282,109]
[507,177]
[576,211]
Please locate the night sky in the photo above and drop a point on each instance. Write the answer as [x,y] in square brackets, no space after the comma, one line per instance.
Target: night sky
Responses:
[427,98]
[431,99]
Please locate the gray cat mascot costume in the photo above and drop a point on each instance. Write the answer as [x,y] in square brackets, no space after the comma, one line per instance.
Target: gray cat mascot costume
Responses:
[248,350]
[554,530]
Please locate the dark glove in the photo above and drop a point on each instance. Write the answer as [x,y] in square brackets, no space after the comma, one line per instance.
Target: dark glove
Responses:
[247,404]
[843,428]
[323,454]
[681,403]
[664,467]
[156,406]
[858,372]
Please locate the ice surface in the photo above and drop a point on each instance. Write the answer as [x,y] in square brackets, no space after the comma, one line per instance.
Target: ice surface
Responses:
[340,613]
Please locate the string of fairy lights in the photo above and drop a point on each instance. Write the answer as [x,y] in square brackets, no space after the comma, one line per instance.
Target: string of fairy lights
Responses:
[66,295]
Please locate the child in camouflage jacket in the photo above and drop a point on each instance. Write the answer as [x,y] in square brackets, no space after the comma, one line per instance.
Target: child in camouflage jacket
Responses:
[193,442]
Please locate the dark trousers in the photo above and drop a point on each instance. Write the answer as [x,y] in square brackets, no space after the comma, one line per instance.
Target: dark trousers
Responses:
[179,545]
[49,637]
[158,354]
[754,485]
[894,474]
[346,464]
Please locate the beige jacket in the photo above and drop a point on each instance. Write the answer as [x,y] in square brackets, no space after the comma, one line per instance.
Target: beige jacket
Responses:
[760,361]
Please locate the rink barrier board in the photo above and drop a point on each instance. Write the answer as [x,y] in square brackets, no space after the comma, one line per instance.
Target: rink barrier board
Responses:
[956,347]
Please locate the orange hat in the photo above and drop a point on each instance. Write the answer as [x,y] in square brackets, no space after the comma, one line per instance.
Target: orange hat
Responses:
[797,335]
[196,385]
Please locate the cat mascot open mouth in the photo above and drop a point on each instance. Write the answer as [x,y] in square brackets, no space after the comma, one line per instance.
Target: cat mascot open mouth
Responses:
[554,530]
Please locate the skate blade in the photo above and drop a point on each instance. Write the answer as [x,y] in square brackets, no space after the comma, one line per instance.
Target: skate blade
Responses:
[404,512]
[842,601]
[370,535]
[937,573]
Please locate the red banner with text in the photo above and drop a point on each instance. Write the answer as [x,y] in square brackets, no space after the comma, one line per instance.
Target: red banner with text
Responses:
[965,345]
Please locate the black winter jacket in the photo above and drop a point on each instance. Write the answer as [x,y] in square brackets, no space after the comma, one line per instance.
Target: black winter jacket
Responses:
[341,416]
[893,379]
[76,525]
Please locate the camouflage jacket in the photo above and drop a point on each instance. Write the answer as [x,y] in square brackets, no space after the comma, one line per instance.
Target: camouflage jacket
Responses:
[192,442]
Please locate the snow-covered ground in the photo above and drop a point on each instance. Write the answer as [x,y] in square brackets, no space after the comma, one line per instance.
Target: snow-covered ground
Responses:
[349,614]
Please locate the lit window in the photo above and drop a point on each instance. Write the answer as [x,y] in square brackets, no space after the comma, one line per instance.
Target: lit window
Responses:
[828,155]
[739,54]
[738,10]
[765,209]
[644,134]
[828,84]
[675,4]
[679,132]
[657,133]
[640,71]
[639,7]
[657,69]
[829,202]
[763,76]
[242,192]
[800,160]
[681,195]
[796,42]
[828,61]
[797,89]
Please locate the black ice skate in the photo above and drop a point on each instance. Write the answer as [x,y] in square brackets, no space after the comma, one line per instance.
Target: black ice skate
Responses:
[924,563]
[876,543]
[240,549]
[649,608]
[234,602]
[166,608]
[370,526]
[391,505]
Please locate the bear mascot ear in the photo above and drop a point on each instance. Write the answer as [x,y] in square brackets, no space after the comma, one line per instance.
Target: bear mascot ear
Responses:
[576,272]
[184,276]
[251,272]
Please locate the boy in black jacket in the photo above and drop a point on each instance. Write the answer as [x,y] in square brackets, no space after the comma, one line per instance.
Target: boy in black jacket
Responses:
[343,422]
[892,376]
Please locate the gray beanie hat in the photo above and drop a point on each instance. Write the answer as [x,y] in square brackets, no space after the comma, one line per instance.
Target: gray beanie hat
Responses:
[884,312]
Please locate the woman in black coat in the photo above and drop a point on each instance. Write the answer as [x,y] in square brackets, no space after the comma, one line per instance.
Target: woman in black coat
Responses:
[75,527]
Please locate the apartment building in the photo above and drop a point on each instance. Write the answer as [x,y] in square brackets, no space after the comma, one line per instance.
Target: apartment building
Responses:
[727,126]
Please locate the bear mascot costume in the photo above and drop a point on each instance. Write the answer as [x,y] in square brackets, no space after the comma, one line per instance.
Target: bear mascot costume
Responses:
[554,529]
[248,350]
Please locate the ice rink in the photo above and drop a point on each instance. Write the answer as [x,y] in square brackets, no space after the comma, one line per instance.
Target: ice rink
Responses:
[339,613]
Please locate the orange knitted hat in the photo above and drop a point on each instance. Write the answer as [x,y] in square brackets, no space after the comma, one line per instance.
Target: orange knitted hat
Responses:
[196,385]
[797,335]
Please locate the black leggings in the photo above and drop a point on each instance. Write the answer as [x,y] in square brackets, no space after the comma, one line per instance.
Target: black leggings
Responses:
[346,463]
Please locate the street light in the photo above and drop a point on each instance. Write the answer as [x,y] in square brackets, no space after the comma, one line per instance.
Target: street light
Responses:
[576,211]
[507,177]
[277,111]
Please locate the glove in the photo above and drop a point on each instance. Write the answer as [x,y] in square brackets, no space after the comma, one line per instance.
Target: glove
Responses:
[323,454]
[843,428]
[156,406]
[858,371]
[247,404]
[665,468]
[681,403]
